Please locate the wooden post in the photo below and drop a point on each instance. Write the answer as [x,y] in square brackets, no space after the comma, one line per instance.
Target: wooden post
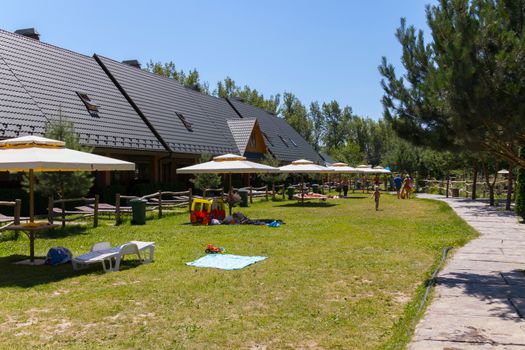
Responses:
[448,185]
[273,190]
[63,213]
[118,219]
[31,197]
[50,206]
[160,204]
[190,199]
[95,215]
[509,190]
[266,192]
[18,205]
[474,181]
[251,195]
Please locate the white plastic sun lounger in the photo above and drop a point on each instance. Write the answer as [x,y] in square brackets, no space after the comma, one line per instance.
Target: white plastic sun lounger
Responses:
[110,258]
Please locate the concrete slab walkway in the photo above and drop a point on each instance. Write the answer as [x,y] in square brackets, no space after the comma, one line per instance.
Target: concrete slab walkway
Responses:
[479,299]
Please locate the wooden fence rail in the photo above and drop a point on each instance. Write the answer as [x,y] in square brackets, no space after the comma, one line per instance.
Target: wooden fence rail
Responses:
[93,211]
[15,219]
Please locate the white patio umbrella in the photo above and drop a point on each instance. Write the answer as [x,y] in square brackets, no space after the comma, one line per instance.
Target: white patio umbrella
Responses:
[303,166]
[38,154]
[228,164]
[342,168]
[365,169]
[503,172]
[380,170]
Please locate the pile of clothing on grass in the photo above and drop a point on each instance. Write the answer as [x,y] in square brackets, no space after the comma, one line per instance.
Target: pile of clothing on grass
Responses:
[241,219]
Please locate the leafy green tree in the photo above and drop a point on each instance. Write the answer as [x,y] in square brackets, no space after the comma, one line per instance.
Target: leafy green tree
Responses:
[337,121]
[464,89]
[62,184]
[204,181]
[295,113]
[169,70]
[348,153]
[228,88]
[520,188]
[318,124]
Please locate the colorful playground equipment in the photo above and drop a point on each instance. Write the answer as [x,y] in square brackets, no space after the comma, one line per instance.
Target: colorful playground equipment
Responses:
[203,211]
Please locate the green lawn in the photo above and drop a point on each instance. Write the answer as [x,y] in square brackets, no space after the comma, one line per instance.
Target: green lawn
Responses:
[337,276]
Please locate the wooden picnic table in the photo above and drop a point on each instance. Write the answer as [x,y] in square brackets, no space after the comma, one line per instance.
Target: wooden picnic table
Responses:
[30,230]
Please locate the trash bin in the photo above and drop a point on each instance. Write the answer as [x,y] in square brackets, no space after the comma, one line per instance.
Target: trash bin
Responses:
[291,191]
[244,197]
[138,209]
[315,188]
[455,192]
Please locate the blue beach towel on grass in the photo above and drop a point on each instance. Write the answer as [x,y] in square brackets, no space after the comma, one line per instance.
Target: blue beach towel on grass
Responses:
[226,261]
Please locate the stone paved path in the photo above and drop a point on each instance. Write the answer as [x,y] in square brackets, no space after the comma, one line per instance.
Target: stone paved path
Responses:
[479,300]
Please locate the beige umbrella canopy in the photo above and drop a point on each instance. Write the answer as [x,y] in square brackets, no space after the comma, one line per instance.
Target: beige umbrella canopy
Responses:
[380,170]
[38,154]
[365,169]
[503,172]
[228,164]
[342,168]
[303,166]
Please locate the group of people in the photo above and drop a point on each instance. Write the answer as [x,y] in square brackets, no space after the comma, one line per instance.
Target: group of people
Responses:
[404,186]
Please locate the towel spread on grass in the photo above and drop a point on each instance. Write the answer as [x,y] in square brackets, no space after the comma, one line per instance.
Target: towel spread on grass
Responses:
[226,261]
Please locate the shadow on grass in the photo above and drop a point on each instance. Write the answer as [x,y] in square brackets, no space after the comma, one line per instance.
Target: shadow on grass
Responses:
[27,276]
[307,205]
[67,231]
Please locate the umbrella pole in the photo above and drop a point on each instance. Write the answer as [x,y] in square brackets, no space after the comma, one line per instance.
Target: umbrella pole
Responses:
[230,192]
[302,190]
[31,215]
[31,197]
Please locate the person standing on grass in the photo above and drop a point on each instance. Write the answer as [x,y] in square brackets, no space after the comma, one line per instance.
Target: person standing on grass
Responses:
[407,186]
[377,194]
[344,183]
[398,182]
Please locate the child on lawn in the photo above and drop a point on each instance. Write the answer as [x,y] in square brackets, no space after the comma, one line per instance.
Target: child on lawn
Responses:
[377,194]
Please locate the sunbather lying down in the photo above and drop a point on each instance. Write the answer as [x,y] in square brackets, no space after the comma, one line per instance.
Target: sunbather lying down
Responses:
[240,218]
[309,196]
[110,257]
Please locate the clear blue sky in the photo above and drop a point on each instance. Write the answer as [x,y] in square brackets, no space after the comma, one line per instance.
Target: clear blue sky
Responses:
[319,50]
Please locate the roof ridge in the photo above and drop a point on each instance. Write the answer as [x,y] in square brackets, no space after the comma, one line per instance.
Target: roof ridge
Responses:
[252,106]
[126,96]
[162,77]
[39,42]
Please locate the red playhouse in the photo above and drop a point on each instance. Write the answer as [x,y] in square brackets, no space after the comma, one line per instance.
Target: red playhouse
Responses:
[205,210]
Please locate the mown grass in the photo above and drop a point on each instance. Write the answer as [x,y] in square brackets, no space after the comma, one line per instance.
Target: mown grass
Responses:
[338,276]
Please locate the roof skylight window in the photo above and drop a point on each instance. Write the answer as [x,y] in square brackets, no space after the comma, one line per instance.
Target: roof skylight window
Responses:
[91,105]
[267,138]
[186,123]
[293,142]
[283,140]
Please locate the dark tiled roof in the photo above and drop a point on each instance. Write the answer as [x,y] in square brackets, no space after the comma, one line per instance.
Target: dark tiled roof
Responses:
[19,114]
[282,140]
[241,130]
[51,78]
[160,99]
[327,158]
